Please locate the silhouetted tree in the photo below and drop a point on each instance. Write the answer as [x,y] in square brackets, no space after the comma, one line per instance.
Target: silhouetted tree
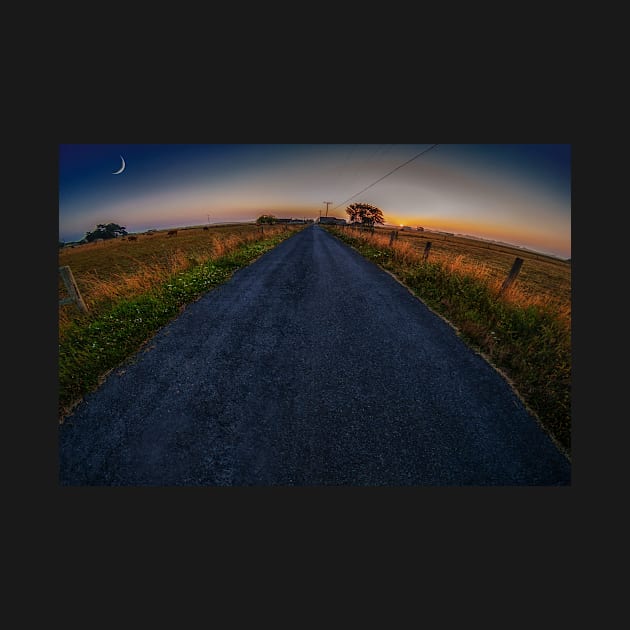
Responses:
[266,218]
[365,213]
[109,230]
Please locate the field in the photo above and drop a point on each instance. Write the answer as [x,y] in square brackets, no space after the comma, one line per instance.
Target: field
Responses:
[542,277]
[133,287]
[108,270]
[525,332]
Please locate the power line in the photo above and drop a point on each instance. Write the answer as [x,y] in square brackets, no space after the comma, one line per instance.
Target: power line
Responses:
[388,174]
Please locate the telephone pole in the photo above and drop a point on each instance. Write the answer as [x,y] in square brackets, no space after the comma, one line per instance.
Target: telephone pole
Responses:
[327,204]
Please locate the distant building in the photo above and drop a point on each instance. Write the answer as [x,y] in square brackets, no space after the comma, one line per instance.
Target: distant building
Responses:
[332,221]
[291,220]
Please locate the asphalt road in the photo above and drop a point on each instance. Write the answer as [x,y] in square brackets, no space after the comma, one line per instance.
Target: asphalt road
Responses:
[309,367]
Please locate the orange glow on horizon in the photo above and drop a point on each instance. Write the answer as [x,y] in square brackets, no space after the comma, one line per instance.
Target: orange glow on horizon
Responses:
[530,238]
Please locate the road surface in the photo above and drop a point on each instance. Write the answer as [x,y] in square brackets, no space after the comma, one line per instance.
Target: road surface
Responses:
[310,367]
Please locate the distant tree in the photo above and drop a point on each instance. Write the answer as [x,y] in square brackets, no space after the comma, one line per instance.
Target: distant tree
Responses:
[61,244]
[109,230]
[365,213]
[266,218]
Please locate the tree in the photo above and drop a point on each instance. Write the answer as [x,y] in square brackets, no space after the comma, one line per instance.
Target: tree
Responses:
[266,218]
[109,230]
[365,213]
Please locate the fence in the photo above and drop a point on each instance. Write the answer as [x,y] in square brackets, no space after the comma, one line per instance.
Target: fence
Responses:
[73,290]
[507,283]
[516,267]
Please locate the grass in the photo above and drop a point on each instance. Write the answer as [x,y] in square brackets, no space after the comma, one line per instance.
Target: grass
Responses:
[132,288]
[525,333]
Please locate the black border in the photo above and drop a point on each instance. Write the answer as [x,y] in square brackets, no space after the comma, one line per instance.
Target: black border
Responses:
[439,521]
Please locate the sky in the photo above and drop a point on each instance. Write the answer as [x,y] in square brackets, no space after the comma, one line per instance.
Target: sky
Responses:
[513,193]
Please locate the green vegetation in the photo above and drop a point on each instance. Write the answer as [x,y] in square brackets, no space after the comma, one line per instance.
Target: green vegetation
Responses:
[266,218]
[527,338]
[134,288]
[118,324]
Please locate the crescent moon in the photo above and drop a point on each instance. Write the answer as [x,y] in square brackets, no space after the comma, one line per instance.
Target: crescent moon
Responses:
[122,168]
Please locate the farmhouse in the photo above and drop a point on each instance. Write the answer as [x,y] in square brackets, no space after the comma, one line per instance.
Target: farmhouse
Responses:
[332,221]
[284,220]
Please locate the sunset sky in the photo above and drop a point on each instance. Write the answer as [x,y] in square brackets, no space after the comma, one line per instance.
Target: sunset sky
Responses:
[515,193]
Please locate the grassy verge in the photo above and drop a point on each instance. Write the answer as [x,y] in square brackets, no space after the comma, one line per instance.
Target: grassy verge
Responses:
[91,346]
[528,340]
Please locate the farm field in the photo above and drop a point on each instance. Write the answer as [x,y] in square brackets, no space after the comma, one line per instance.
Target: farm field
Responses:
[133,287]
[111,269]
[310,367]
[542,278]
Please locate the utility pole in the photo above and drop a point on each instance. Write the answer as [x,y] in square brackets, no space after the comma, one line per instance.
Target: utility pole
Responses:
[208,219]
[327,204]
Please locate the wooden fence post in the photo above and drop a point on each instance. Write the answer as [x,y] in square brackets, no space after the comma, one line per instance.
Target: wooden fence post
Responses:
[392,237]
[427,247]
[516,267]
[73,289]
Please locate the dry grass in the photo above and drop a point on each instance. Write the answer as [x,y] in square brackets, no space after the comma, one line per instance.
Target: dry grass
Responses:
[525,332]
[543,282]
[134,288]
[108,271]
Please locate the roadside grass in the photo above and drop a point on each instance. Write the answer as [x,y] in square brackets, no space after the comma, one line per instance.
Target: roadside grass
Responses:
[525,333]
[109,270]
[127,307]
[541,276]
